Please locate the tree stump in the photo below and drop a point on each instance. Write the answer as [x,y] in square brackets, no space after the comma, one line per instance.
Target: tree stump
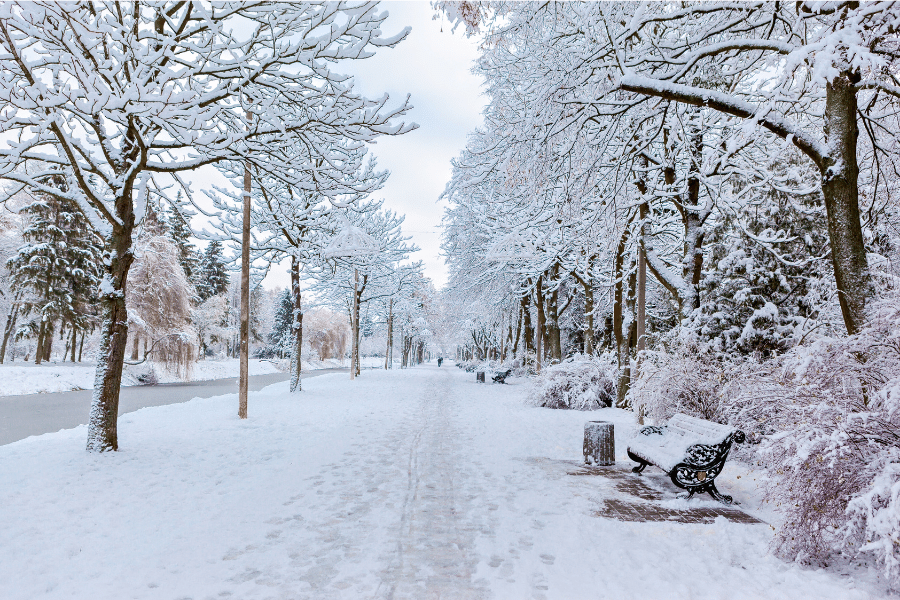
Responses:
[479,376]
[599,443]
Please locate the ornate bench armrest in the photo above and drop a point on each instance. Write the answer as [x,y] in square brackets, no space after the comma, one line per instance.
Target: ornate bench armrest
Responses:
[651,429]
[705,455]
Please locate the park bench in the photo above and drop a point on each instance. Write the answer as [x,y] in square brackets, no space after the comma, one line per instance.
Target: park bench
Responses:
[691,451]
[501,376]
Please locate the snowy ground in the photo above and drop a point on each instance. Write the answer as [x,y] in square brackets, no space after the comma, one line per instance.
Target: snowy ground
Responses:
[402,484]
[19,378]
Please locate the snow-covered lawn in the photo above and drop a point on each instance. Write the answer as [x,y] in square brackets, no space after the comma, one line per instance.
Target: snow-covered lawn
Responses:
[402,484]
[27,378]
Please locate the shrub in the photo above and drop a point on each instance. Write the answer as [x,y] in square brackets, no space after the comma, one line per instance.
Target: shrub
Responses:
[580,383]
[834,461]
[688,380]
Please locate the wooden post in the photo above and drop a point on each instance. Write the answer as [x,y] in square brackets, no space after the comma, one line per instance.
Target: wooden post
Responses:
[390,326]
[354,324]
[245,294]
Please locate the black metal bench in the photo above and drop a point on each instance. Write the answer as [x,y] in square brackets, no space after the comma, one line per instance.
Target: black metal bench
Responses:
[501,377]
[691,451]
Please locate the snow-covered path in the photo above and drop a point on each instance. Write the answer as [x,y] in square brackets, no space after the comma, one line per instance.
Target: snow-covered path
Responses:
[403,484]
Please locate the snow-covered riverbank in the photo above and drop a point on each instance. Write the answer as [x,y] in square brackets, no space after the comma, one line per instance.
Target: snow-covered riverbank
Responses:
[19,378]
[403,484]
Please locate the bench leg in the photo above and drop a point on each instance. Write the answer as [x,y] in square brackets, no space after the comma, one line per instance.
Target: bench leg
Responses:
[642,464]
[715,493]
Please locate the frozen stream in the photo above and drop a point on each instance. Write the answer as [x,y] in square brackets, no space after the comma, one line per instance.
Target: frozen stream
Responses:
[411,484]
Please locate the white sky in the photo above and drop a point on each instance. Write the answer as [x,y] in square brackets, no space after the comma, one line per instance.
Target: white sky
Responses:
[433,66]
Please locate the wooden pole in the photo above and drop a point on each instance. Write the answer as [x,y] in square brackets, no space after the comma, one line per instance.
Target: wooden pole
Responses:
[245,294]
[390,326]
[355,326]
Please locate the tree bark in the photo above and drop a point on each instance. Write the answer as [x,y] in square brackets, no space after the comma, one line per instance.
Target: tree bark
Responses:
[630,340]
[539,332]
[642,290]
[135,350]
[296,326]
[74,342]
[588,289]
[553,333]
[48,341]
[515,345]
[618,298]
[528,342]
[118,256]
[81,345]
[10,326]
[840,189]
[39,348]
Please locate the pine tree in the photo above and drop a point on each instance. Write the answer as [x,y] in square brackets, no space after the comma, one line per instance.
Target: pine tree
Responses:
[180,232]
[280,338]
[213,277]
[57,270]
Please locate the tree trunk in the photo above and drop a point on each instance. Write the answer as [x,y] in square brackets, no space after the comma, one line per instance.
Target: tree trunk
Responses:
[553,333]
[296,326]
[521,318]
[48,341]
[628,343]
[587,285]
[81,345]
[74,342]
[135,346]
[10,326]
[39,349]
[618,320]
[102,431]
[540,344]
[841,192]
[528,341]
[642,290]
[589,319]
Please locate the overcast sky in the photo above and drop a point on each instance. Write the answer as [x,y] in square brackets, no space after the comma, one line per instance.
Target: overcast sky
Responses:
[433,66]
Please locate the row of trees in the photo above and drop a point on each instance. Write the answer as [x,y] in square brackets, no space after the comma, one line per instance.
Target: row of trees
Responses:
[707,192]
[121,101]
[125,99]
[717,149]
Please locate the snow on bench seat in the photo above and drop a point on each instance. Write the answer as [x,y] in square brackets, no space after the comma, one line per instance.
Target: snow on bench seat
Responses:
[692,451]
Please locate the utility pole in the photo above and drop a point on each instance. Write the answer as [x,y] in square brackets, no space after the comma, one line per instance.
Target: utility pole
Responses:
[245,292]
[355,324]
[390,335]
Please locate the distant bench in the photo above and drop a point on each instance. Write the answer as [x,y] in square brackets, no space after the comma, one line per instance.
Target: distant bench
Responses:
[501,377]
[691,451]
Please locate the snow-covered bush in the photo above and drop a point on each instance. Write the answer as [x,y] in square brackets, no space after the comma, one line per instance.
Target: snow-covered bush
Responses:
[689,380]
[581,383]
[834,459]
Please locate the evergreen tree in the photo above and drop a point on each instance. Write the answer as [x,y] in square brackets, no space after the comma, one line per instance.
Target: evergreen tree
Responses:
[57,270]
[180,232]
[213,277]
[280,338]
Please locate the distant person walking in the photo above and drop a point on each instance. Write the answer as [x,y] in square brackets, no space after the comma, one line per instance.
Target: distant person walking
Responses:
[440,360]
